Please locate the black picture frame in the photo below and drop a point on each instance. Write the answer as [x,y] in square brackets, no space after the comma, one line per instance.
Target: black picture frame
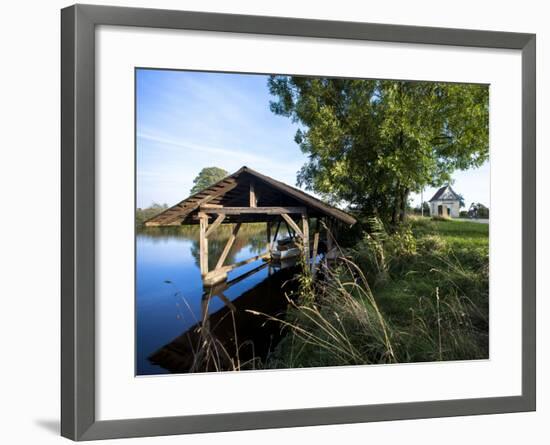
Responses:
[78,23]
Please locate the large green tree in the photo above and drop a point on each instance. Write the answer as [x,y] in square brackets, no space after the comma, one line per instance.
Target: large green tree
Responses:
[206,177]
[370,143]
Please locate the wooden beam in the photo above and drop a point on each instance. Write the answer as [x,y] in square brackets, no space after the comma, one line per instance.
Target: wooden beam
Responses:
[253,201]
[314,256]
[292,224]
[305,237]
[276,233]
[330,239]
[215,224]
[228,246]
[289,230]
[223,270]
[222,287]
[176,211]
[254,210]
[268,235]
[203,245]
[226,301]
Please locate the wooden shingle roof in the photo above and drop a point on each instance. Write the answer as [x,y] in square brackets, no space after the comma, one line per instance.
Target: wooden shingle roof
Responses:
[233,191]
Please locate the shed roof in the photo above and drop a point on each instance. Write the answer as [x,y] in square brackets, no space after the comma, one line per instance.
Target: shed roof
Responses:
[445,193]
[233,191]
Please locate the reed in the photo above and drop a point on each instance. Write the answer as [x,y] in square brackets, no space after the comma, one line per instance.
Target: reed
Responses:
[338,319]
[428,302]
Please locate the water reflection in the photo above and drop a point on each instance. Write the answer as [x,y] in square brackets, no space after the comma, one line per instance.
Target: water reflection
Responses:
[171,303]
[252,237]
[232,337]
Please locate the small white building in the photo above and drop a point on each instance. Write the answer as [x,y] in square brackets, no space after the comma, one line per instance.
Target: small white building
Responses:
[445,203]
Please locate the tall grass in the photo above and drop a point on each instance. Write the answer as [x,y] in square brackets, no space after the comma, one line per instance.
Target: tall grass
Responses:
[420,294]
[202,348]
[331,321]
[427,303]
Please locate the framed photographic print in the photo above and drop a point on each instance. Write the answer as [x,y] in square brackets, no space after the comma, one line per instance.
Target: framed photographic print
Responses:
[309,222]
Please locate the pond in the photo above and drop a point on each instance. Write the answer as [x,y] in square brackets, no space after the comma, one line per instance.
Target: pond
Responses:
[174,313]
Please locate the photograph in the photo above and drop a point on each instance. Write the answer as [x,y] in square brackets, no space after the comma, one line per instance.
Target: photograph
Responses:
[295,221]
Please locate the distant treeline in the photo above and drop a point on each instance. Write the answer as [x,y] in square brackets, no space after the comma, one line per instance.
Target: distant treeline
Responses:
[143,215]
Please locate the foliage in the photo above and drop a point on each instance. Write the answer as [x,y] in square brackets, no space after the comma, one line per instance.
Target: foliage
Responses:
[431,306]
[418,210]
[380,251]
[334,322]
[402,243]
[371,142]
[206,177]
[478,210]
[143,215]
[431,243]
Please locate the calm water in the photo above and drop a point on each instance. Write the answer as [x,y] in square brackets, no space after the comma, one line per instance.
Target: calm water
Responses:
[171,301]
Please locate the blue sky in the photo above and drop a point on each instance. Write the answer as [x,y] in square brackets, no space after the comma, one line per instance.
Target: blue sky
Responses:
[190,120]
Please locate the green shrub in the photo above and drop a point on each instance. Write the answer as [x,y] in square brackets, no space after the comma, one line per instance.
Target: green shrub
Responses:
[379,252]
[333,322]
[401,243]
[431,243]
[419,294]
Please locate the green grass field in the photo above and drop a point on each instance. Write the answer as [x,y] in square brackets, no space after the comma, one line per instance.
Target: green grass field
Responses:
[459,233]
[420,294]
[450,255]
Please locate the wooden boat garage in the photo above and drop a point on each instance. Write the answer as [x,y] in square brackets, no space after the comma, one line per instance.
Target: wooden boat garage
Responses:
[247,196]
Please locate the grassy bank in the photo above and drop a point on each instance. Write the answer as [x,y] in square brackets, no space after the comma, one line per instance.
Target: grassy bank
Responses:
[420,294]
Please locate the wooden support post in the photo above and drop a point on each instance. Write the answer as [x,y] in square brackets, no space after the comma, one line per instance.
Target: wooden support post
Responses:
[315,244]
[203,244]
[228,246]
[314,256]
[329,235]
[305,237]
[268,236]
[253,201]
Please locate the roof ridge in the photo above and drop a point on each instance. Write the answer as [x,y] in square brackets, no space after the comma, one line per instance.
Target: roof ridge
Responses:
[290,190]
[441,191]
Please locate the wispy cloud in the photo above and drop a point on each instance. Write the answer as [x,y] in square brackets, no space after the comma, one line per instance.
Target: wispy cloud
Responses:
[189,120]
[201,148]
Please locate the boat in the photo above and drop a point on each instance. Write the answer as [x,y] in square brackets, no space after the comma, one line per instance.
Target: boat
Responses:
[291,252]
[285,242]
[286,248]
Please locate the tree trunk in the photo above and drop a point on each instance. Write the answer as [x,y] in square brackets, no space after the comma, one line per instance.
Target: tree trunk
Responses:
[396,209]
[403,210]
